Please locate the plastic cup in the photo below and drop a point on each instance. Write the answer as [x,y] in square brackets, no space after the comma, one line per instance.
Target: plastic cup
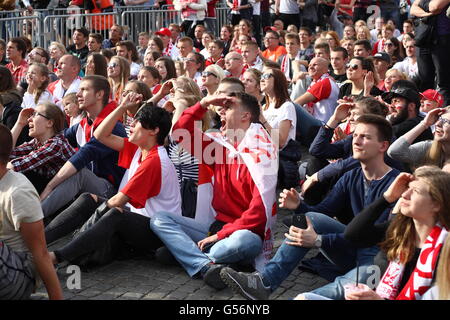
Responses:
[350,288]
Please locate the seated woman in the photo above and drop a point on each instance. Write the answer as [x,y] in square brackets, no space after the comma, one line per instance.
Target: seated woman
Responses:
[429,152]
[37,79]
[251,79]
[121,223]
[96,63]
[194,64]
[151,77]
[211,77]
[362,78]
[118,75]
[22,245]
[42,157]
[411,241]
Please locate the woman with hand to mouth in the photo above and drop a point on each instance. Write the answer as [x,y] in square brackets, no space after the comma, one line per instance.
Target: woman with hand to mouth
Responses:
[40,158]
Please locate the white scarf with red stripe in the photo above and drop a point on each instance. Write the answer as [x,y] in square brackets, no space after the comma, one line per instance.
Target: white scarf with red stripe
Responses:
[260,155]
[168,50]
[286,65]
[421,278]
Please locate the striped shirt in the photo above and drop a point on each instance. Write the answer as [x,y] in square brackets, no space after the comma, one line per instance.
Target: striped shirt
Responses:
[185,164]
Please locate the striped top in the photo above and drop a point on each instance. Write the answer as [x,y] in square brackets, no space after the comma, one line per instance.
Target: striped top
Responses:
[185,164]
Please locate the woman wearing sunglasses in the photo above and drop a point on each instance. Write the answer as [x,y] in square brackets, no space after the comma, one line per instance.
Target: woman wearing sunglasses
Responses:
[394,49]
[40,158]
[362,79]
[211,77]
[429,152]
[118,75]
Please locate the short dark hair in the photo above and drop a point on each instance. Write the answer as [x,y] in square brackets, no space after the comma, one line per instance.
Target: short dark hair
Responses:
[271,64]
[232,80]
[100,83]
[219,43]
[152,117]
[308,30]
[372,106]
[21,46]
[7,82]
[250,104]
[82,30]
[97,36]
[153,71]
[276,34]
[364,43]
[6,144]
[341,49]
[384,128]
[44,53]
[323,45]
[130,47]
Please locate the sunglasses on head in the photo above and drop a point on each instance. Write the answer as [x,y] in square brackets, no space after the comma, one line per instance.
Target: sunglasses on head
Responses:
[353,66]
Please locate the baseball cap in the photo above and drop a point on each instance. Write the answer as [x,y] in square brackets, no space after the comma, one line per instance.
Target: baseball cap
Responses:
[433,95]
[164,32]
[382,56]
[404,89]
[270,28]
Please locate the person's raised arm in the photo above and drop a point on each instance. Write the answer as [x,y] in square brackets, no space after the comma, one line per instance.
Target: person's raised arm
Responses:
[103,133]
[21,122]
[431,118]
[417,11]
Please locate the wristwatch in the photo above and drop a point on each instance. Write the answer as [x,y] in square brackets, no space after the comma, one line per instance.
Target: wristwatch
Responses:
[318,241]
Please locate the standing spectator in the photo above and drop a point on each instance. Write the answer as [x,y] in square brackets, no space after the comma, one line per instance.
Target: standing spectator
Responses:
[15,52]
[67,72]
[193,13]
[240,9]
[79,47]
[308,13]
[210,19]
[100,23]
[288,11]
[432,59]
[360,10]
[22,237]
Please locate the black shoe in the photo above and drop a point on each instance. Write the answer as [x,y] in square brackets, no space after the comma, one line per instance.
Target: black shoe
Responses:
[249,285]
[164,256]
[212,276]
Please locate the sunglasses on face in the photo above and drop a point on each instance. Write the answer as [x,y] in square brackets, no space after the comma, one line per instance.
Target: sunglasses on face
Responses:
[388,44]
[112,65]
[207,74]
[353,66]
[266,76]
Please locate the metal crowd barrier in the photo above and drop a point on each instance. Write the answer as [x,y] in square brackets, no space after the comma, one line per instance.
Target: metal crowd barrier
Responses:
[58,24]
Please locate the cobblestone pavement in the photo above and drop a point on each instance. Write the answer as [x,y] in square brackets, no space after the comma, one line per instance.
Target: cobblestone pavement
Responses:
[146,279]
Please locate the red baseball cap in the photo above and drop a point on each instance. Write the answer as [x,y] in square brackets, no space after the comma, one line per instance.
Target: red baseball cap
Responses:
[164,32]
[433,95]
[270,28]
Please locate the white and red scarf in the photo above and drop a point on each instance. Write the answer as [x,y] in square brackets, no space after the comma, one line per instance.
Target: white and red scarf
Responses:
[168,50]
[186,12]
[286,65]
[421,278]
[260,155]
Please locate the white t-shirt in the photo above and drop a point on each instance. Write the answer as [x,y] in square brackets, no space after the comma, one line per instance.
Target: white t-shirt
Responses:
[285,112]
[134,69]
[19,202]
[28,99]
[289,7]
[406,66]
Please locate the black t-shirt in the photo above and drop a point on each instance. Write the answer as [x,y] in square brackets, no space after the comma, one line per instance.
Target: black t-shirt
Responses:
[338,77]
[79,53]
[346,91]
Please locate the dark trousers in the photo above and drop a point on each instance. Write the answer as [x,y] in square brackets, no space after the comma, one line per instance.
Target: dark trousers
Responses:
[126,228]
[434,64]
[289,19]
[188,27]
[256,22]
[360,13]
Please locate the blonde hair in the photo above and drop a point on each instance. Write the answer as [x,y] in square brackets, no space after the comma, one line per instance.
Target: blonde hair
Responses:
[400,242]
[443,271]
[366,32]
[217,70]
[123,77]
[435,155]
[60,46]
[43,69]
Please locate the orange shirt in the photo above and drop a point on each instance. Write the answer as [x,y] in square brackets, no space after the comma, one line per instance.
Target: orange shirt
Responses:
[275,54]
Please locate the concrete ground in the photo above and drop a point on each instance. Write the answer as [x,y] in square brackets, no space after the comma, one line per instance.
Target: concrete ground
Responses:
[147,279]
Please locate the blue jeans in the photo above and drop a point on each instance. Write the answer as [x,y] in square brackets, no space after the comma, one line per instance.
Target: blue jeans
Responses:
[181,234]
[343,256]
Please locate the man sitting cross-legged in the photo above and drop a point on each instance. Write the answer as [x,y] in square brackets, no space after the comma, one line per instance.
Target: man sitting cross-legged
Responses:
[355,189]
